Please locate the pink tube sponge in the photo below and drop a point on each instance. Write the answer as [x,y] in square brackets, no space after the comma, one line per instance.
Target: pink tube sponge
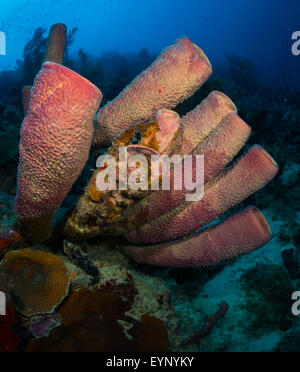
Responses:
[233,185]
[55,142]
[238,235]
[56,43]
[218,150]
[175,75]
[199,123]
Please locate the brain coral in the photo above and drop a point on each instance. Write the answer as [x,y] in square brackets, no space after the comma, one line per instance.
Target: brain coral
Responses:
[46,274]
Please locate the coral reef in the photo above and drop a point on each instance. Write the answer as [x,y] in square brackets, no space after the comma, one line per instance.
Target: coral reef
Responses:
[105,212]
[97,335]
[41,325]
[109,316]
[103,314]
[105,300]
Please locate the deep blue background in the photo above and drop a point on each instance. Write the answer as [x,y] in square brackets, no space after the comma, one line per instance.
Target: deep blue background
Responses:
[258,29]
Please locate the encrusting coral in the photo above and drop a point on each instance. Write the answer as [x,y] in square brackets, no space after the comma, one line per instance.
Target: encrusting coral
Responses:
[92,322]
[40,280]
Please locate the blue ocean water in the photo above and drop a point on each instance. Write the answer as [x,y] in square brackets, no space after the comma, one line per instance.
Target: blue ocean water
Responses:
[260,31]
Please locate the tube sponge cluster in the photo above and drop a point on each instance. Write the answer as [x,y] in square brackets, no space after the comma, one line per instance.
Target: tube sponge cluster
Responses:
[249,174]
[162,226]
[175,75]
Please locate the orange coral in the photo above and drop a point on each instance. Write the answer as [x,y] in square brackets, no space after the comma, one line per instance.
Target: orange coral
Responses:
[82,303]
[90,336]
[95,195]
[149,335]
[92,324]
[47,275]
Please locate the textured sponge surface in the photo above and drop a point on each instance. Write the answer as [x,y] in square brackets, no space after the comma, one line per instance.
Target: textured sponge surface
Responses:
[55,139]
[175,75]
